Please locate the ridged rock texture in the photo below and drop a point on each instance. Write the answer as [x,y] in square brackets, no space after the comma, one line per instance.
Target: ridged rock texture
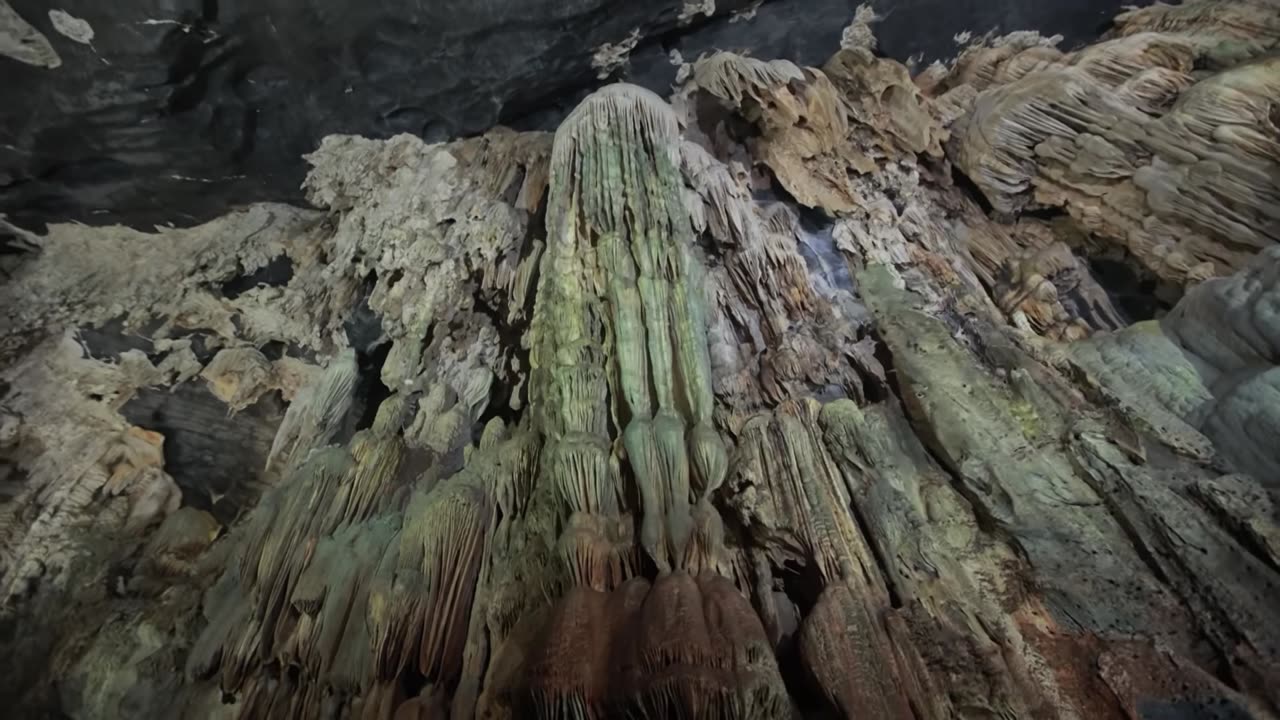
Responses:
[802,392]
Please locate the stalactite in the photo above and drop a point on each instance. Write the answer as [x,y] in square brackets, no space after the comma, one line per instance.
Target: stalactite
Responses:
[1122,136]
[617,199]
[768,400]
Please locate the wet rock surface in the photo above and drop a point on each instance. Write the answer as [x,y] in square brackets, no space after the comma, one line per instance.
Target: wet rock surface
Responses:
[175,111]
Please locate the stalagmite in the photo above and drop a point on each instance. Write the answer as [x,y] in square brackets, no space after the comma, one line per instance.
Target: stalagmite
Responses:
[802,392]
[617,198]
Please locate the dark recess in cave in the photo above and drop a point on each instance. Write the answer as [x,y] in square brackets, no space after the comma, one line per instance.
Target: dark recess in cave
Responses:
[370,392]
[179,111]
[363,327]
[274,274]
[1133,293]
[109,340]
[198,432]
[802,586]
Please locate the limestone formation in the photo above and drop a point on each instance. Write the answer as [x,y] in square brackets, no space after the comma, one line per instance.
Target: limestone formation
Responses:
[804,392]
[22,42]
[1138,145]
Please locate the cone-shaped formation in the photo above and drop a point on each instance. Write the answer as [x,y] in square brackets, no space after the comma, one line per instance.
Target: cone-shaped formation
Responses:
[620,342]
[845,650]
[315,414]
[619,330]
[599,554]
[685,647]
[328,580]
[422,596]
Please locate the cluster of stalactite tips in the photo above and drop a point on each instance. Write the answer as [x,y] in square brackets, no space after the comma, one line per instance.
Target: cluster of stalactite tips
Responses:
[803,392]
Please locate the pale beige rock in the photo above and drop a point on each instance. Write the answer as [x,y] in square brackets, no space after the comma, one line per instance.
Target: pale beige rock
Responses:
[77,29]
[85,464]
[1177,167]
[22,42]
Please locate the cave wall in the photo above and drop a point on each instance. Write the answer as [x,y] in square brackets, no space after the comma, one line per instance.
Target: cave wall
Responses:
[168,112]
[792,392]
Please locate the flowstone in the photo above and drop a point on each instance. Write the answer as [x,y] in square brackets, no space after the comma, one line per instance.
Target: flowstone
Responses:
[797,394]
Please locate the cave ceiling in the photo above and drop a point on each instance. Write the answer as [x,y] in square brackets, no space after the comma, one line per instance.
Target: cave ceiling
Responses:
[171,111]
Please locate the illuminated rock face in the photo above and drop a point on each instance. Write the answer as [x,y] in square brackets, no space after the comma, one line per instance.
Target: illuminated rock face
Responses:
[619,330]
[734,404]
